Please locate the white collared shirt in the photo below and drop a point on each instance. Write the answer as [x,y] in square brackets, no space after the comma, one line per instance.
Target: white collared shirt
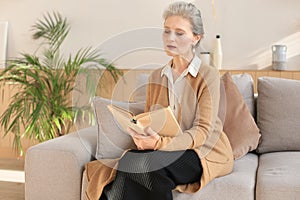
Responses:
[176,87]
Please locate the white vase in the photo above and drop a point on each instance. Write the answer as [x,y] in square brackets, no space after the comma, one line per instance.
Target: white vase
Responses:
[217,53]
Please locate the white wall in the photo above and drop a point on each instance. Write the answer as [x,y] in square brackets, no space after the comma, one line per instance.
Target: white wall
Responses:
[128,31]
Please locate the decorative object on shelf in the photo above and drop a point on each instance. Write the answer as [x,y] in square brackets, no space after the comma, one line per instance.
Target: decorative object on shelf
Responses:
[205,57]
[3,42]
[279,57]
[217,53]
[43,107]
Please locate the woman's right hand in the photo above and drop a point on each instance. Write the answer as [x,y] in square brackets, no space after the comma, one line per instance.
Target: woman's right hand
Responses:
[145,141]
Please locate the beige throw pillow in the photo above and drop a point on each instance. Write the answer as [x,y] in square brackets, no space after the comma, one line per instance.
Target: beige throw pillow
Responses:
[238,123]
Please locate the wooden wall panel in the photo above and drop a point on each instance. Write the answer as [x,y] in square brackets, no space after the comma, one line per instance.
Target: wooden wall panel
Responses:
[122,90]
[260,73]
[296,75]
[6,150]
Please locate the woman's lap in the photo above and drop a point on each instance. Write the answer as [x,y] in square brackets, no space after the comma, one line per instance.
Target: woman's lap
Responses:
[153,173]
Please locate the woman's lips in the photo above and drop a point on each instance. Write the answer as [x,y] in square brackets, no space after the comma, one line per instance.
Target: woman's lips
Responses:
[171,47]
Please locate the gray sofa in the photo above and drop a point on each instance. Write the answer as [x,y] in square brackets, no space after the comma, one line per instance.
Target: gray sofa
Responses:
[55,169]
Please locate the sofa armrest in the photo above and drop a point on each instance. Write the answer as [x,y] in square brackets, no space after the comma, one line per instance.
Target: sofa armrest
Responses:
[53,169]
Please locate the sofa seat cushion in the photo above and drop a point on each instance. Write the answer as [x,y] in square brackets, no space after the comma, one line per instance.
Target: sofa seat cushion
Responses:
[240,184]
[278,176]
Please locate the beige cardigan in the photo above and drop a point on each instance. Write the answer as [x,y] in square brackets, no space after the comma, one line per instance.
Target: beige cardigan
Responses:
[198,117]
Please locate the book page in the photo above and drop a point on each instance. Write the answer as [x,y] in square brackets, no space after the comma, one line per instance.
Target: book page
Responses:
[121,111]
[161,121]
[122,116]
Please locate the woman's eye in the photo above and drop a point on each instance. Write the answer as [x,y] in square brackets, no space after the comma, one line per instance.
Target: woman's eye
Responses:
[179,33]
[167,31]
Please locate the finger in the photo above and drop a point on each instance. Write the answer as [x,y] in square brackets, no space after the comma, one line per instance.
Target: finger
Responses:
[150,131]
[135,134]
[137,143]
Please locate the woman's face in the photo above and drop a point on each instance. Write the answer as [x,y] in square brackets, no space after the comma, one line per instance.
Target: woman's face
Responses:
[178,37]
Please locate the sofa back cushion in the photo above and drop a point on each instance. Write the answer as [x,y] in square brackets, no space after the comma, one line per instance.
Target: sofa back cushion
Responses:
[278,114]
[112,141]
[238,122]
[244,84]
[140,88]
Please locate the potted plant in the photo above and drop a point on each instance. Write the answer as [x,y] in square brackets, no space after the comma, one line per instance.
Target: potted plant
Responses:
[45,80]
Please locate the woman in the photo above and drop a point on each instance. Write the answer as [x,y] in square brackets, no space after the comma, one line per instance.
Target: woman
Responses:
[186,162]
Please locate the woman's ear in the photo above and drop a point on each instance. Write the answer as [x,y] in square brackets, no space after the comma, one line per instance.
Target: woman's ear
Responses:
[196,39]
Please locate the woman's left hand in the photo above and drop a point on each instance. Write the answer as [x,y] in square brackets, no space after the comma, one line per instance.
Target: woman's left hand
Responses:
[146,141]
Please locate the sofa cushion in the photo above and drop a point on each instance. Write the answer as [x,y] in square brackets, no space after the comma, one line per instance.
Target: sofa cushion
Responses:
[111,140]
[278,176]
[244,83]
[240,184]
[278,114]
[238,123]
[141,82]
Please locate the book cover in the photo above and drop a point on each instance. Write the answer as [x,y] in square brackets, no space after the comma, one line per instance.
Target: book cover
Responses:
[161,121]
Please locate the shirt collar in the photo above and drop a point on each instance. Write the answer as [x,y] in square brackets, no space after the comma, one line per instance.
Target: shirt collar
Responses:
[193,67]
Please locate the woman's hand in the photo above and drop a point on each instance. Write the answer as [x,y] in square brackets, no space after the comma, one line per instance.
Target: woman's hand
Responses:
[146,141]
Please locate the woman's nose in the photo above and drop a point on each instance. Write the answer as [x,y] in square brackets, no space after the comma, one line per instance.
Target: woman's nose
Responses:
[169,36]
[172,36]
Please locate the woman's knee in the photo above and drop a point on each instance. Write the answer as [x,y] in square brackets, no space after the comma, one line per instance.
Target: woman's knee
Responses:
[135,162]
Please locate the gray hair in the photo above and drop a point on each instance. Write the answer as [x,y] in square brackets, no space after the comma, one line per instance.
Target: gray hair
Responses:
[188,11]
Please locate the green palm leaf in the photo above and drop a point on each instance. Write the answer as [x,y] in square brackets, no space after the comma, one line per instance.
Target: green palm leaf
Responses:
[42,109]
[53,28]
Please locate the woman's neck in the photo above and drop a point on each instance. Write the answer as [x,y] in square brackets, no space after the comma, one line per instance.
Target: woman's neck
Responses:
[180,64]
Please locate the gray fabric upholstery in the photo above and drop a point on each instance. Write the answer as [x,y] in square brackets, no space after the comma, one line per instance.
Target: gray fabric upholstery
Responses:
[278,114]
[278,176]
[244,83]
[112,141]
[139,93]
[239,185]
[53,169]
[236,186]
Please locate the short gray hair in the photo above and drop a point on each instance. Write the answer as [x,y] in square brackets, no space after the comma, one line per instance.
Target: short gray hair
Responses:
[188,11]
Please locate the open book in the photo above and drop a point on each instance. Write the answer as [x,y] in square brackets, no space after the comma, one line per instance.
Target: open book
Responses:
[161,121]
